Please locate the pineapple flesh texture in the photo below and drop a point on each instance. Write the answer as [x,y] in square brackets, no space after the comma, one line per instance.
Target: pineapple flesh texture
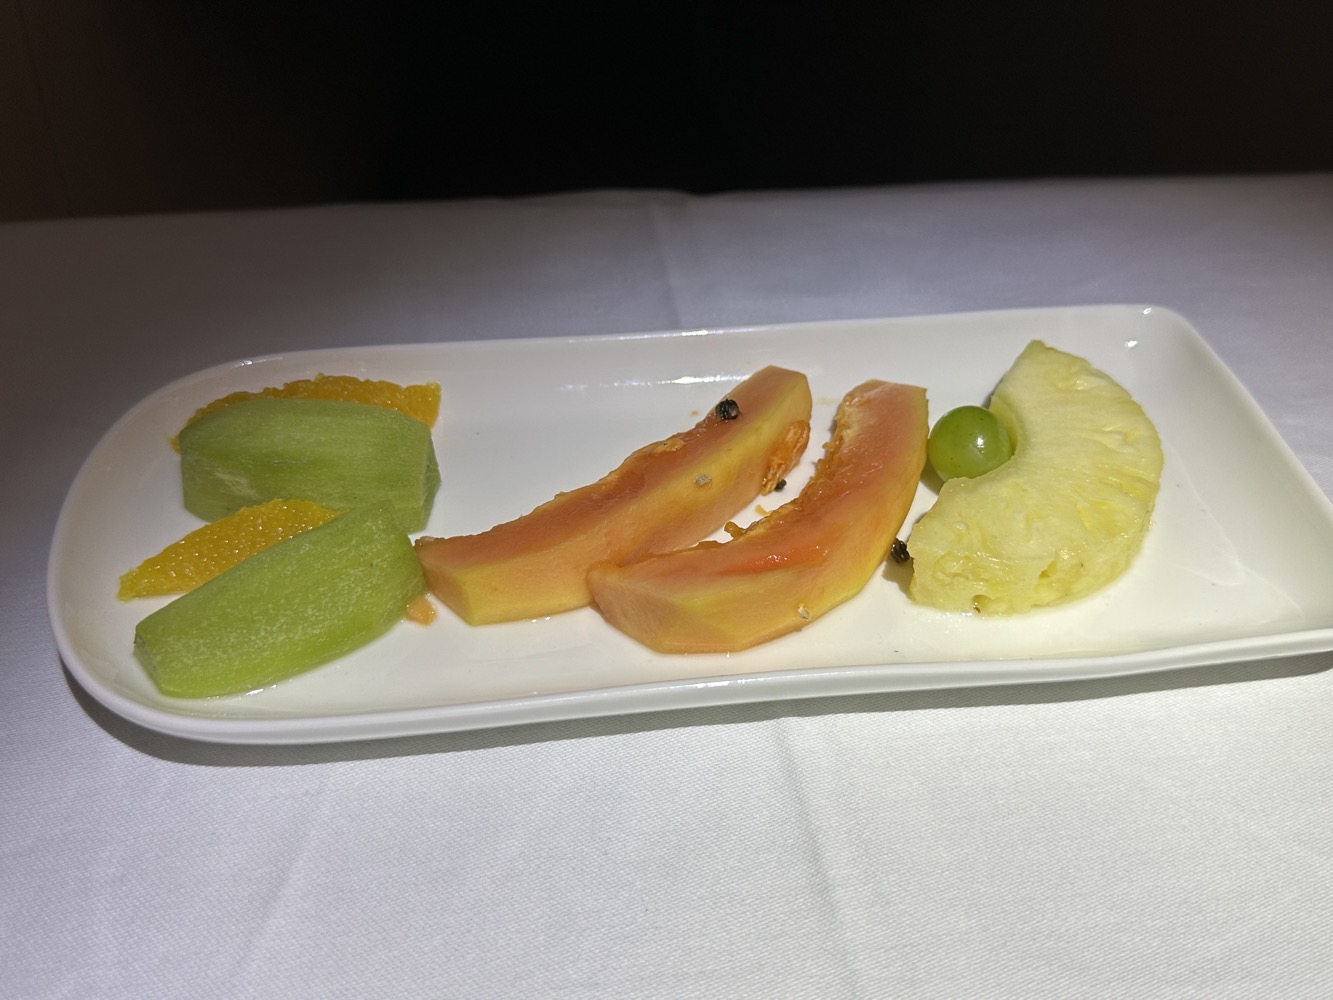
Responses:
[1062,518]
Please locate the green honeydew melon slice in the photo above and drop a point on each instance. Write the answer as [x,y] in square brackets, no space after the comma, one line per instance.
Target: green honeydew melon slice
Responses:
[340,455]
[303,602]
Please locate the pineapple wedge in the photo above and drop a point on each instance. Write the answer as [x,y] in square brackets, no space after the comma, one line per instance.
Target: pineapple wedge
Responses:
[1062,518]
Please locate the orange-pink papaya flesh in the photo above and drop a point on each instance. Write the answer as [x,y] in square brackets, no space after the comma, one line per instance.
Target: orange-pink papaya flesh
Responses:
[805,558]
[664,496]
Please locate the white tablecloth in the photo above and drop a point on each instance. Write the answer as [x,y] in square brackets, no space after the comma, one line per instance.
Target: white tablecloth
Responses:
[1160,836]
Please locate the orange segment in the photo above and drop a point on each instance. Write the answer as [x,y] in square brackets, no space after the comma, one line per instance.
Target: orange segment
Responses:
[419,401]
[208,551]
[421,611]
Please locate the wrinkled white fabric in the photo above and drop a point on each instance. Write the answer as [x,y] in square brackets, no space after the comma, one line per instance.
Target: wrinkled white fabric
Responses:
[1155,837]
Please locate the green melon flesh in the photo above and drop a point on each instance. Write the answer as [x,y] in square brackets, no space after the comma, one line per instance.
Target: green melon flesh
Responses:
[300,603]
[337,454]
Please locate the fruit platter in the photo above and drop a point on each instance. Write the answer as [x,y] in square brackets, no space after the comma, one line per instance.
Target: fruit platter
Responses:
[1231,555]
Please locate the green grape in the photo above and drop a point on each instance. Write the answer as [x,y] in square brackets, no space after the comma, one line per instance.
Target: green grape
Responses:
[968,441]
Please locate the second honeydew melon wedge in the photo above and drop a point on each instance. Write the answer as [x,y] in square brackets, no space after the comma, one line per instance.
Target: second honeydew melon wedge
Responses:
[298,604]
[337,454]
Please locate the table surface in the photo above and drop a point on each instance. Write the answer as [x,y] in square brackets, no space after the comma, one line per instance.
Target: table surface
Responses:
[1168,835]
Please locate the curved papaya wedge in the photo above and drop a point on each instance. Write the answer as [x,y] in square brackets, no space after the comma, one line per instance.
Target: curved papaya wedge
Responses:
[662,497]
[789,568]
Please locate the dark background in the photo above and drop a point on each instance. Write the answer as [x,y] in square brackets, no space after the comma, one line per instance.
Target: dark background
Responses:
[120,106]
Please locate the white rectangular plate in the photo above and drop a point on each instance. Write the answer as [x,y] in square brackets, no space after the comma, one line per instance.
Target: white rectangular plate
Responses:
[1238,563]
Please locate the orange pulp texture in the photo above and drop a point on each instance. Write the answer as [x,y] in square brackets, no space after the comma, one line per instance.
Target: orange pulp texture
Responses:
[419,401]
[208,551]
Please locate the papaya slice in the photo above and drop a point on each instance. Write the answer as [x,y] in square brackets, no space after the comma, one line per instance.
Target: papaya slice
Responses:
[794,565]
[664,496]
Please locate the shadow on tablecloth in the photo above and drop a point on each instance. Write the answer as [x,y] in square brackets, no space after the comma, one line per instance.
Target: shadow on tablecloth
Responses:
[205,754]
